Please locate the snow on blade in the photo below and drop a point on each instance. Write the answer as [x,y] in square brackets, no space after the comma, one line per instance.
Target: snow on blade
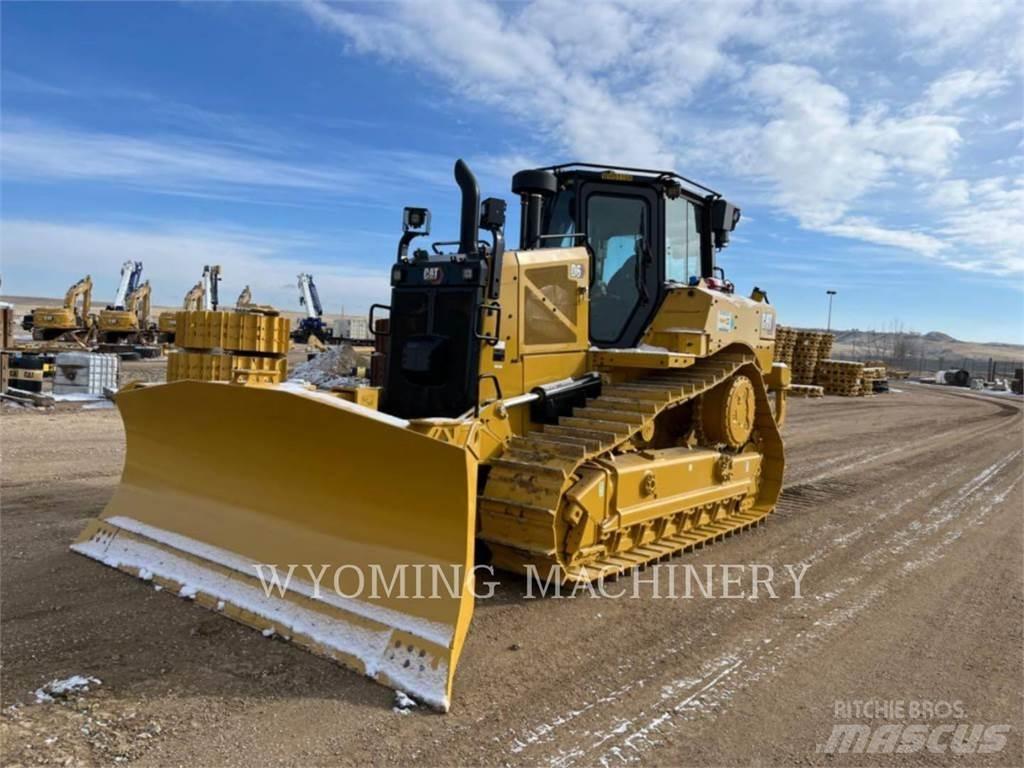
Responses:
[434,631]
[370,645]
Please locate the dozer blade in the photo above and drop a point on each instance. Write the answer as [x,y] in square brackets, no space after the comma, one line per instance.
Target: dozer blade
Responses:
[222,482]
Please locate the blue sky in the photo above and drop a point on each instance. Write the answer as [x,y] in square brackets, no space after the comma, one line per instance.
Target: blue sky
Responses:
[875,149]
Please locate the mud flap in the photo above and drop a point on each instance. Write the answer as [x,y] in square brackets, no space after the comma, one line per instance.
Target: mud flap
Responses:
[367,525]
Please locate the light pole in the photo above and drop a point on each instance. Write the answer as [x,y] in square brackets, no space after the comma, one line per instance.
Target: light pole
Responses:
[828,326]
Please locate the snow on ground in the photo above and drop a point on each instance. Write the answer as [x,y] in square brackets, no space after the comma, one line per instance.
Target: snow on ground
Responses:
[77,397]
[58,689]
[403,704]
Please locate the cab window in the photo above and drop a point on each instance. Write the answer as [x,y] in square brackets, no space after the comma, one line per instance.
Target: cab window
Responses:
[617,231]
[682,240]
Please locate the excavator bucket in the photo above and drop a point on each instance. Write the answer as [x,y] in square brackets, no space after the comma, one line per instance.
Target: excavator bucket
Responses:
[304,516]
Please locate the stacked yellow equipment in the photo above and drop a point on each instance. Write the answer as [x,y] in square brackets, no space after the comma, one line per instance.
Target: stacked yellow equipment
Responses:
[785,341]
[244,347]
[841,377]
[595,400]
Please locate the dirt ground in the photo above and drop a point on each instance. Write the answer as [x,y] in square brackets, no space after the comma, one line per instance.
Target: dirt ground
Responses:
[906,508]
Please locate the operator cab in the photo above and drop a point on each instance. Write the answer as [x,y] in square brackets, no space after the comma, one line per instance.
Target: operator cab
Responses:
[646,231]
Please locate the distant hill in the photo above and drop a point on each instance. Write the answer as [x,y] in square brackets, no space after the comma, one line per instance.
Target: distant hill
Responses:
[929,351]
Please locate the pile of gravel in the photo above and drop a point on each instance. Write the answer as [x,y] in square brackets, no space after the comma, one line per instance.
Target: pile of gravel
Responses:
[334,367]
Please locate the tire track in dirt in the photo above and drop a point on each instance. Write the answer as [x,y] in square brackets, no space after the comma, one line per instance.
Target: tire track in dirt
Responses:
[729,665]
[757,659]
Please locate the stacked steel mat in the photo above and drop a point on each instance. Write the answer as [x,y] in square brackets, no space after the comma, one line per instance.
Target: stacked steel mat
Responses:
[841,377]
[805,356]
[874,379]
[785,341]
[216,345]
[806,390]
[825,345]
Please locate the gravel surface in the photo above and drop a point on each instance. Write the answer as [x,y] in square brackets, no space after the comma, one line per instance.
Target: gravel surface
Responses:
[906,508]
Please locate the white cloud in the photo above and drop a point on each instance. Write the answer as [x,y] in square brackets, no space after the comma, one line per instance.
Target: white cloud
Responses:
[31,150]
[949,194]
[933,27]
[964,84]
[45,254]
[988,231]
[805,101]
[185,164]
[864,229]
[820,158]
[780,94]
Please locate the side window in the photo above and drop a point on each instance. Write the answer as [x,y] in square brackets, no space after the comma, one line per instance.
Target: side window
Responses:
[617,226]
[560,221]
[682,240]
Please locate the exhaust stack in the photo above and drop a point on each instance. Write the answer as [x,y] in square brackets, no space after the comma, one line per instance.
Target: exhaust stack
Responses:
[470,220]
[533,187]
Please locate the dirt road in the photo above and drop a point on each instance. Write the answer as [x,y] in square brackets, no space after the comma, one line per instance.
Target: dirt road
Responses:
[905,509]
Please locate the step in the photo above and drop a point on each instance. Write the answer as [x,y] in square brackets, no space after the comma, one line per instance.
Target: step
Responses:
[536,442]
[630,404]
[579,422]
[589,445]
[533,468]
[602,437]
[634,418]
[657,394]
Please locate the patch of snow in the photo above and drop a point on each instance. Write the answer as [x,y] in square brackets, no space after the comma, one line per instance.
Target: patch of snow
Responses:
[188,591]
[268,632]
[77,397]
[145,574]
[58,689]
[402,701]
[100,406]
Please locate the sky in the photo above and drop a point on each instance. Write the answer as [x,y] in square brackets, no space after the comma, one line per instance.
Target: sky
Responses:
[875,148]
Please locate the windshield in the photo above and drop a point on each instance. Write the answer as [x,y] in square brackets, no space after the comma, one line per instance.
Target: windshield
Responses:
[682,240]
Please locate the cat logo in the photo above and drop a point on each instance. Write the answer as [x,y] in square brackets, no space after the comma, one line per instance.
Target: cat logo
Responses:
[433,275]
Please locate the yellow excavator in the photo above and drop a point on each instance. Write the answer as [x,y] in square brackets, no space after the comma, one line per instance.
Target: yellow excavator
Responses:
[244,300]
[202,295]
[126,321]
[57,323]
[595,400]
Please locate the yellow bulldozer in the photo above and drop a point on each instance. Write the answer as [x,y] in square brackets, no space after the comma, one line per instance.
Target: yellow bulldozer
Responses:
[65,322]
[595,400]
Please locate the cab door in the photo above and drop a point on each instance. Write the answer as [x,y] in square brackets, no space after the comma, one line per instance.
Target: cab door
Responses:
[623,227]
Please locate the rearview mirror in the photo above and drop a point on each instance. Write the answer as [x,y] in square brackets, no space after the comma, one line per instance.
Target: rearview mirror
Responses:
[724,218]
